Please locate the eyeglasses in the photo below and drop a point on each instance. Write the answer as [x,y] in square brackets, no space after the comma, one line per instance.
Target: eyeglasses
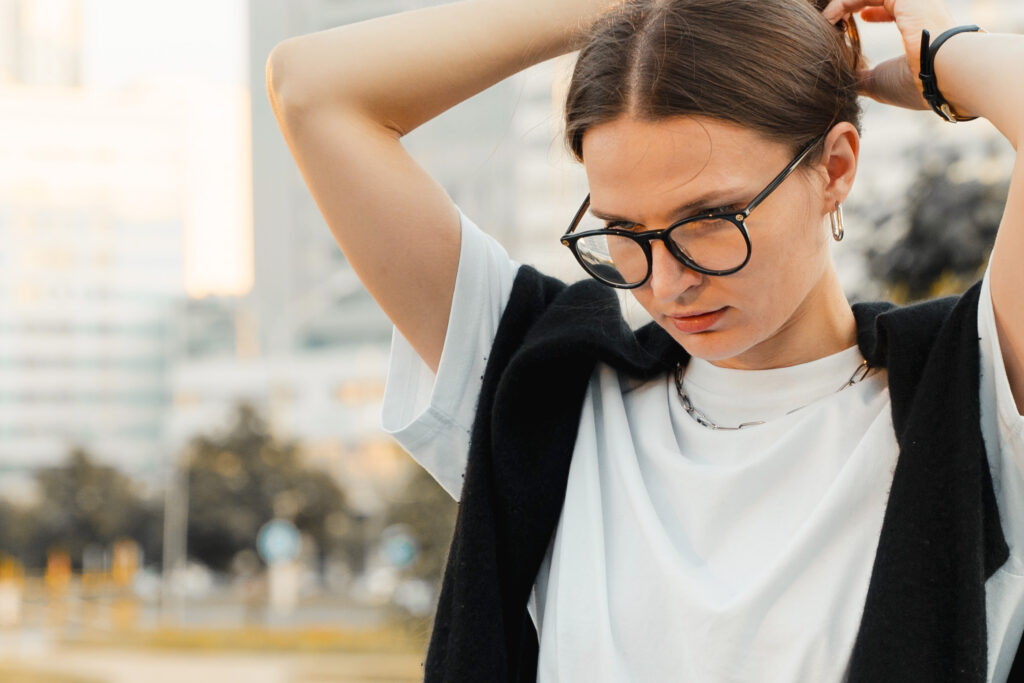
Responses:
[714,242]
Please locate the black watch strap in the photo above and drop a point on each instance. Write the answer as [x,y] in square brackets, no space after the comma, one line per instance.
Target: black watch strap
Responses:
[927,75]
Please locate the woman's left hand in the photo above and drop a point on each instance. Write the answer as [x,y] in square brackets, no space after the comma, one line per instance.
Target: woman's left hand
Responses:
[896,81]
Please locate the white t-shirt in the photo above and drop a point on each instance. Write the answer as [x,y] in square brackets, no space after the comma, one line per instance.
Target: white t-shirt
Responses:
[685,553]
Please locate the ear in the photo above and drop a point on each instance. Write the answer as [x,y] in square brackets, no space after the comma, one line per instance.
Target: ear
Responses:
[839,163]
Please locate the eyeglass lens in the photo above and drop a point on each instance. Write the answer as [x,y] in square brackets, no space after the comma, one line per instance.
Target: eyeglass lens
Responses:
[711,243]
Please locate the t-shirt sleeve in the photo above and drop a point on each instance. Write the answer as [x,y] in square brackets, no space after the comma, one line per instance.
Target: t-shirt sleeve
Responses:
[1002,426]
[1011,422]
[431,415]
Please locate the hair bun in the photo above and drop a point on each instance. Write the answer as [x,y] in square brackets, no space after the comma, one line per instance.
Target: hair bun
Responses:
[848,27]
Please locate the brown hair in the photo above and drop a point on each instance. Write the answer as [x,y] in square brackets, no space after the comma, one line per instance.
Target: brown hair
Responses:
[775,66]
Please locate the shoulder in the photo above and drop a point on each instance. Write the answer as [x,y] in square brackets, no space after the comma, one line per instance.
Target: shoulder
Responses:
[535,290]
[552,308]
[883,326]
[551,323]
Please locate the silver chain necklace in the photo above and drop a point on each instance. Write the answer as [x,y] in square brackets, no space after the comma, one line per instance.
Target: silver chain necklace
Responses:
[859,374]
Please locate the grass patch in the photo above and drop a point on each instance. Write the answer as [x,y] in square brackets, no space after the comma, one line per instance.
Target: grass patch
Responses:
[16,674]
[398,638]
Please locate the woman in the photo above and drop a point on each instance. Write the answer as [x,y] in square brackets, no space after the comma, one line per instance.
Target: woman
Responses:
[716,496]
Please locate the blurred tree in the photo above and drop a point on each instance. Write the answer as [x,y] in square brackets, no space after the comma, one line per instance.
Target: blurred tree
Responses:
[83,503]
[429,512]
[952,226]
[242,479]
[17,529]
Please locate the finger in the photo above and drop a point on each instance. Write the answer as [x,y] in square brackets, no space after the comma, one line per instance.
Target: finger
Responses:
[838,9]
[876,14]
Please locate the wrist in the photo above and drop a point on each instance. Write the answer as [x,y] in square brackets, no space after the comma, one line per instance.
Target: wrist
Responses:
[937,91]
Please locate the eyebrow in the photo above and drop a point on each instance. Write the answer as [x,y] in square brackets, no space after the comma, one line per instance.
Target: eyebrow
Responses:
[713,197]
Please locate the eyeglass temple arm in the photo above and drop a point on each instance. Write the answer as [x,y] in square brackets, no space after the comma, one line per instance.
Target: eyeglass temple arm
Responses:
[576,219]
[782,176]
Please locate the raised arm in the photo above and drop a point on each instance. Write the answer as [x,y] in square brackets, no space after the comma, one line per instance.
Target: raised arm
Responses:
[979,74]
[345,96]
[984,73]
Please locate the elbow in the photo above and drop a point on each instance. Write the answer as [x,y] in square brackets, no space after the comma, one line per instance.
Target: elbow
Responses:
[280,90]
[299,84]
[290,87]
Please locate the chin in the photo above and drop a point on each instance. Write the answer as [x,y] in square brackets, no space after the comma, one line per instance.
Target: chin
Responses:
[711,345]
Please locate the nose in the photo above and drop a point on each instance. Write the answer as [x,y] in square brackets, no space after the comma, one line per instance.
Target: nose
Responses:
[669,276]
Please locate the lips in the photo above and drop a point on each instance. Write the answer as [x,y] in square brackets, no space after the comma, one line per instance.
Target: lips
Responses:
[697,323]
[692,315]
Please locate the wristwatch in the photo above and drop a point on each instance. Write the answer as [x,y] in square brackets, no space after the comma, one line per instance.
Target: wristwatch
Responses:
[927,75]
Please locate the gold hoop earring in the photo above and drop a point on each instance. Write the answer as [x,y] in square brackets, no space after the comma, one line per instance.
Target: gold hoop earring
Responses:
[836,219]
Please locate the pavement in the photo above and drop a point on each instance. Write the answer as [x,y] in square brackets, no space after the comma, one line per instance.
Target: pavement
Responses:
[135,666]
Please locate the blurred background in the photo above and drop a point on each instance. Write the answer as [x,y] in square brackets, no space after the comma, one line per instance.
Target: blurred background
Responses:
[193,482]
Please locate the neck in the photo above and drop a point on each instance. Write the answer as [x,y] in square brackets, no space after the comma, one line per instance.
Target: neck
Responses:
[823,324]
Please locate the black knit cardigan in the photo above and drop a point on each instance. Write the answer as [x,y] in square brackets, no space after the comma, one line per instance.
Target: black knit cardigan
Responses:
[924,616]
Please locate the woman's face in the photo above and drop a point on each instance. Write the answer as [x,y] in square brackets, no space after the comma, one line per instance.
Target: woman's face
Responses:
[787,293]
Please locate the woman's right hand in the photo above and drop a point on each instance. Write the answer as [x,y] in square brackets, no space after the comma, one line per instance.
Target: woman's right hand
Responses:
[895,81]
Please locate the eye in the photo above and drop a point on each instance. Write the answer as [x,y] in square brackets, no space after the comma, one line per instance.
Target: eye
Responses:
[721,209]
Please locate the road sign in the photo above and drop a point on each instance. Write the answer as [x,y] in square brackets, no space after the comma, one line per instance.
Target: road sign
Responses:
[399,546]
[278,541]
